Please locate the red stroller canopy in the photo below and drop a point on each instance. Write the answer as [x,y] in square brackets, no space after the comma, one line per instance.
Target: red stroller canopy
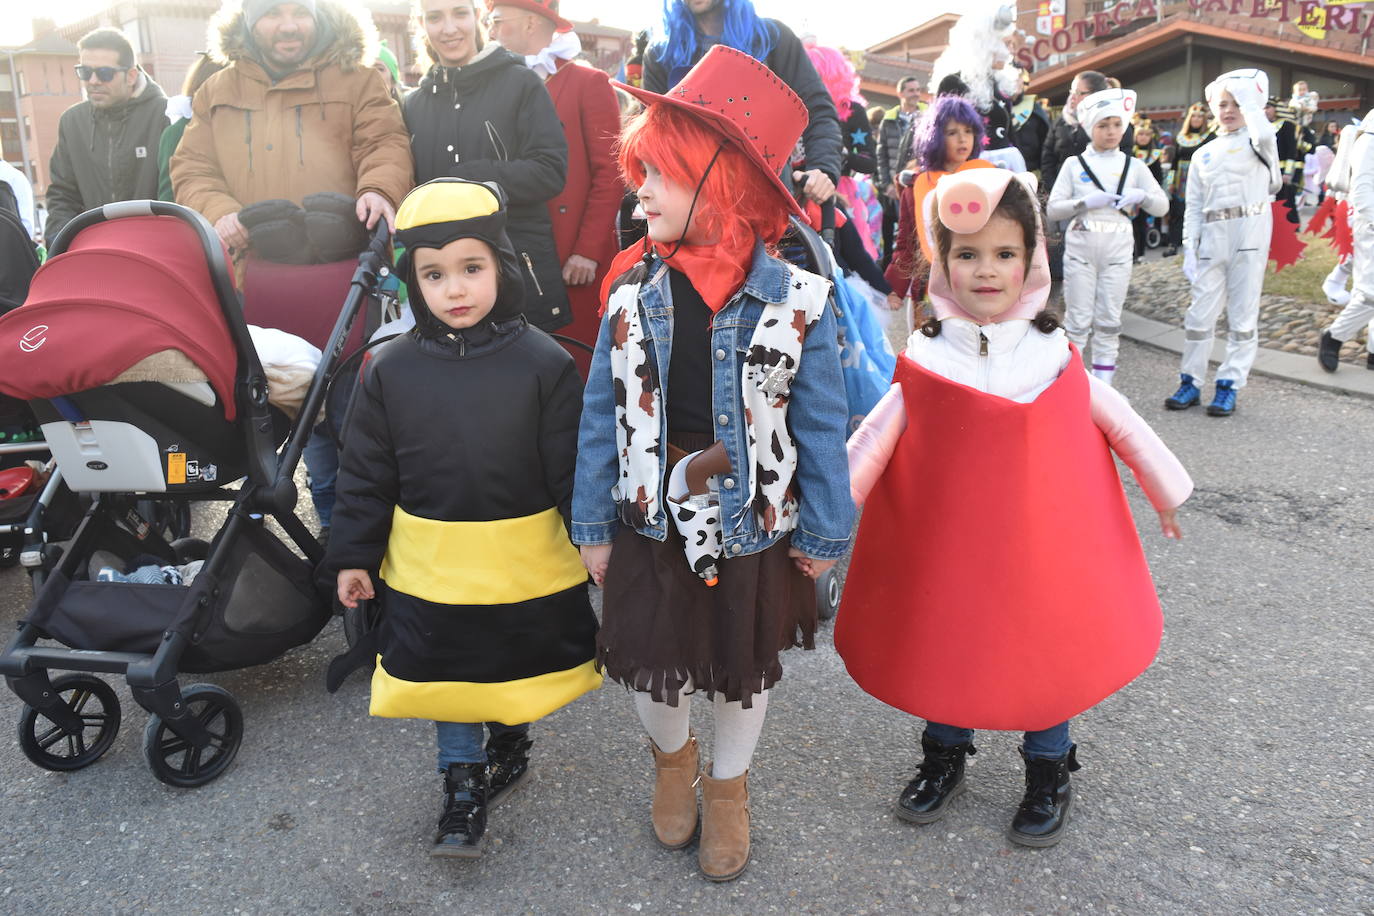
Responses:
[125,289]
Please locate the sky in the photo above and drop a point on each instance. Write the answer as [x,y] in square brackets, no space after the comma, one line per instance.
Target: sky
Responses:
[851,23]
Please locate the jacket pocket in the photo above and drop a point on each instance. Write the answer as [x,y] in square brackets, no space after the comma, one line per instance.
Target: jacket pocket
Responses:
[529,267]
[498,145]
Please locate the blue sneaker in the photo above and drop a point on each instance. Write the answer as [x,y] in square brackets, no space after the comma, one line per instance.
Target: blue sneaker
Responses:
[1187,395]
[1224,404]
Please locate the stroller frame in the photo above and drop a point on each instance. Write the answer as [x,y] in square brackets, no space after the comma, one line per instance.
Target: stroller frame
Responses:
[183,721]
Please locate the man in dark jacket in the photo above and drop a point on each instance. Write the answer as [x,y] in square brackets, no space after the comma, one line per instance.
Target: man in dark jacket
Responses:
[894,149]
[107,145]
[694,26]
[481,114]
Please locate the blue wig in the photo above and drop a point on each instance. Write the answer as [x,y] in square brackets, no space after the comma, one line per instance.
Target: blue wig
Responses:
[928,142]
[744,31]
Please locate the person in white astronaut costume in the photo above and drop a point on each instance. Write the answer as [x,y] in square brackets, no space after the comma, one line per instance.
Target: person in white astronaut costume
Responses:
[1226,228]
[1359,310]
[1098,191]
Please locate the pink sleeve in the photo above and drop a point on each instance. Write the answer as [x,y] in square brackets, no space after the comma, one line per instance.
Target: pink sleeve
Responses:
[1158,471]
[871,446]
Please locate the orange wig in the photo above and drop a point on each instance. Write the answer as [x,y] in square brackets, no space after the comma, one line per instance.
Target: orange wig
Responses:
[737,204]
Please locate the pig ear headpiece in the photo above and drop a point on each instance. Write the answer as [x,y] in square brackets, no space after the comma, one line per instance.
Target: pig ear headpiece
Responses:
[963,202]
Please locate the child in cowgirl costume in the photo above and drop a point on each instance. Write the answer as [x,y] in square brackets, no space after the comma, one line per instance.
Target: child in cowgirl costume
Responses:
[708,338]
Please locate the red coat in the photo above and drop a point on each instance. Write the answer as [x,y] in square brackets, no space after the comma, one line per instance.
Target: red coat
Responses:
[584,214]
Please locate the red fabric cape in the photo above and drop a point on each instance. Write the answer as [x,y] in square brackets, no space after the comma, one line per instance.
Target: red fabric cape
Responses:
[997,580]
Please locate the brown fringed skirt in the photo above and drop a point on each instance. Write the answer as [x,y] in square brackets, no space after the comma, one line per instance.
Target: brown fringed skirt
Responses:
[661,626]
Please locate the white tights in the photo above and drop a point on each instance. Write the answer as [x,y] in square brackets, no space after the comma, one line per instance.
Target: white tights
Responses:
[737,728]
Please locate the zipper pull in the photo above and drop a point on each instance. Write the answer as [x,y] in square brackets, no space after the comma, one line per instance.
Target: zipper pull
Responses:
[982,344]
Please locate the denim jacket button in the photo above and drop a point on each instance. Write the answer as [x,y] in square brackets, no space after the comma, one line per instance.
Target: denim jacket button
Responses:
[728,483]
[723,420]
[720,354]
[734,548]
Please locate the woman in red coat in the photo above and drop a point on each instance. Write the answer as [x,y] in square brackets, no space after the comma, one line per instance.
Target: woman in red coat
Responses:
[584,213]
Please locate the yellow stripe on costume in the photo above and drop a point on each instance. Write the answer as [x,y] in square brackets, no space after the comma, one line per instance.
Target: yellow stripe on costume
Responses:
[507,702]
[500,562]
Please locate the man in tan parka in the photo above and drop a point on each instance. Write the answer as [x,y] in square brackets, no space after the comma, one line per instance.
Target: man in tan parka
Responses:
[297,110]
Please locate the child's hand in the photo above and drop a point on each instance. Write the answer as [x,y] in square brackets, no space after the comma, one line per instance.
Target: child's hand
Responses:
[1168,523]
[894,301]
[596,558]
[354,585]
[810,567]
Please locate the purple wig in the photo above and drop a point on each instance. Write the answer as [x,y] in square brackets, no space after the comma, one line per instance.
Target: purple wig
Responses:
[928,144]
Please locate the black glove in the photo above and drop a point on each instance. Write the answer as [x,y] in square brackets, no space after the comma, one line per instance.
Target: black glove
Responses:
[333,227]
[276,231]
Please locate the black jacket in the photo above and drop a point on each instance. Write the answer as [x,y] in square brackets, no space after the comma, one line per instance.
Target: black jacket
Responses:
[493,120]
[474,427]
[105,155]
[788,60]
[860,146]
[1065,141]
[1029,135]
[894,145]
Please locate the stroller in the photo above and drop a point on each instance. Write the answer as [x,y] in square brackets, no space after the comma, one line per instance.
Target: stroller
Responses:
[144,379]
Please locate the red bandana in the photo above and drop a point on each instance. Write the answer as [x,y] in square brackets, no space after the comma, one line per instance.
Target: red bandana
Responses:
[716,274]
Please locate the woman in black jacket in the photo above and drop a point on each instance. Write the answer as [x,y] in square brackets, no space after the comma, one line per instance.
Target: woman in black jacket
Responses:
[481,114]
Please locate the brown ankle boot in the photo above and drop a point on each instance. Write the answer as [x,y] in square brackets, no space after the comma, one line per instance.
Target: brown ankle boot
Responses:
[674,810]
[724,851]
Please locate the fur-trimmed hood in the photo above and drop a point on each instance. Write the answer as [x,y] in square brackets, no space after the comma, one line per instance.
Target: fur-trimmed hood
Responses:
[347,31]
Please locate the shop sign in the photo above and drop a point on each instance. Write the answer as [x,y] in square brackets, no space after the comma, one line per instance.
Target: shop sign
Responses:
[1310,16]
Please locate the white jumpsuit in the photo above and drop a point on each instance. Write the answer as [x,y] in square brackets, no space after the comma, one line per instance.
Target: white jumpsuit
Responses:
[1227,222]
[1360,309]
[1098,245]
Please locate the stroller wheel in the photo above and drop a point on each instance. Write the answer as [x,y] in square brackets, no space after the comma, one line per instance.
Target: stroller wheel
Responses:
[176,760]
[52,747]
[828,594]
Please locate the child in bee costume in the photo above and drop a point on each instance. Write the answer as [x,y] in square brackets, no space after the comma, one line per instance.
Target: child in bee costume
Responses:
[1097,191]
[1227,225]
[456,482]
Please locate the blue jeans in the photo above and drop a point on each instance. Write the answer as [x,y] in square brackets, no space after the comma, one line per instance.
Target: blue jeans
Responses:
[464,742]
[1049,743]
[322,461]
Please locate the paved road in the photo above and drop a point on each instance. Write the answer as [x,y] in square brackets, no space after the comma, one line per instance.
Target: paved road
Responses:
[1235,776]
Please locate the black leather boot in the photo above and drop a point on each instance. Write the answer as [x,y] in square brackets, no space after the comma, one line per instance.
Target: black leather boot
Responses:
[1045,808]
[939,779]
[1329,352]
[508,762]
[463,825]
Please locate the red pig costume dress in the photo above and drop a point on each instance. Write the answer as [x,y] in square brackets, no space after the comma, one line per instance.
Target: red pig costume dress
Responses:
[962,571]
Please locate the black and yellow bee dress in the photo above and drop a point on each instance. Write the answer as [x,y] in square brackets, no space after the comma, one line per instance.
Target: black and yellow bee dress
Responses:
[455,481]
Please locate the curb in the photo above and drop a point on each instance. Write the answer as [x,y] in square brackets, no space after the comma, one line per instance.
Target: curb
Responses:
[1293,367]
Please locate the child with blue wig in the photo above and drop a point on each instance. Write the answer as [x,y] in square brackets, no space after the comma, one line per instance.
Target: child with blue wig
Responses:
[690,28]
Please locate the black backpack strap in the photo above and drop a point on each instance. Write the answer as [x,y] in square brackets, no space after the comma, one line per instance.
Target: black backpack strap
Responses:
[1125,170]
[1089,172]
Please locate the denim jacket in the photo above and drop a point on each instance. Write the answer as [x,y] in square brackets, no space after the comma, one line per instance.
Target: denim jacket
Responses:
[816,417]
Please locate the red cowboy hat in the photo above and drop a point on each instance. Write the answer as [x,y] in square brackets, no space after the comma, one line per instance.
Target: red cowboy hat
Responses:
[744,101]
[546,8]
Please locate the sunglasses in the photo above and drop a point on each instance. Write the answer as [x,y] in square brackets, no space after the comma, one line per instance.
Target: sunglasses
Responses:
[104,74]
